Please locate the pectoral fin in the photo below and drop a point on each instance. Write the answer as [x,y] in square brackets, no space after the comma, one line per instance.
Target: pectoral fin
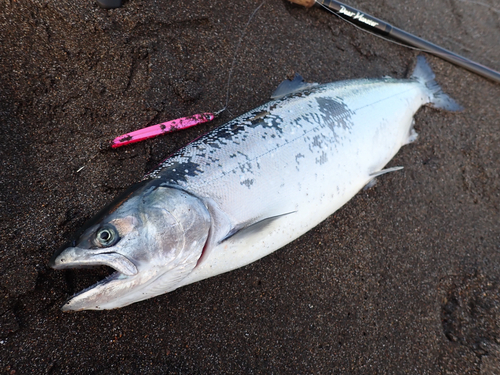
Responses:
[252,227]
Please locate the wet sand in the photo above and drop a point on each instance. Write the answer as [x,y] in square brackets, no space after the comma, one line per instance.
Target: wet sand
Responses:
[403,279]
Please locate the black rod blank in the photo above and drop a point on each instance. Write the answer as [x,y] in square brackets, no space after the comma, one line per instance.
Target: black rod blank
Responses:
[383,28]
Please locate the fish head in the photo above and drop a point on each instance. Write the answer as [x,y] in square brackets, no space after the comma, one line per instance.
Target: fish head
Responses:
[153,239]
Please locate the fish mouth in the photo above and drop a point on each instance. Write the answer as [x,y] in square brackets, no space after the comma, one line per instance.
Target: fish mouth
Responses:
[112,276]
[75,257]
[93,297]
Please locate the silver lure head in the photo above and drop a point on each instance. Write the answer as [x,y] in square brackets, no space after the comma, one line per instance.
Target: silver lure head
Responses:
[153,238]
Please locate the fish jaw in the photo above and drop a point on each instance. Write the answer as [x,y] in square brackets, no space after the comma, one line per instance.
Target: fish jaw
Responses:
[97,297]
[153,278]
[115,291]
[75,257]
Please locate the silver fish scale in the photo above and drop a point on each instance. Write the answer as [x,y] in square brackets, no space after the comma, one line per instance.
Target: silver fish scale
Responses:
[267,151]
[269,154]
[237,146]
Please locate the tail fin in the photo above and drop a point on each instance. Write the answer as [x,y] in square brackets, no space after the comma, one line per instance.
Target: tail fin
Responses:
[438,99]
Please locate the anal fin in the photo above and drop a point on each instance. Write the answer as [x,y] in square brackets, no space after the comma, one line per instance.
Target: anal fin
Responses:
[384,171]
[373,181]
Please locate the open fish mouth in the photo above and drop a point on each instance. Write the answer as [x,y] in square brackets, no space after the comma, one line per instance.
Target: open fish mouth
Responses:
[117,268]
[94,278]
[90,297]
[98,276]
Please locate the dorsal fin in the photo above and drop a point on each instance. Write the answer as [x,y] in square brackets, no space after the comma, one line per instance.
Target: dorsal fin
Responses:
[289,87]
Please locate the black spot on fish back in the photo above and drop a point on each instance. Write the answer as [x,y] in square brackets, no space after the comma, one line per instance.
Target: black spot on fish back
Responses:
[335,113]
[174,171]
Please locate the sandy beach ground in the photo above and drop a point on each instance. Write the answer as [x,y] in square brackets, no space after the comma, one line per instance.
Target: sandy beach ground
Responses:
[403,279]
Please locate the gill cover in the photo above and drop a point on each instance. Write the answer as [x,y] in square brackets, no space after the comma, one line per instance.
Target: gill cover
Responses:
[153,239]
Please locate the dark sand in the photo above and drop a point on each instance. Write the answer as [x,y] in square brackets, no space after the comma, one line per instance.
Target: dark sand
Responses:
[404,279]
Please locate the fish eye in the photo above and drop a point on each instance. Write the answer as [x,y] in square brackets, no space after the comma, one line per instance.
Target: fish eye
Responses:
[106,236]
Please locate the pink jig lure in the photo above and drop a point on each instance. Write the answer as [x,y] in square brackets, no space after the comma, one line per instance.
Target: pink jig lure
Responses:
[159,129]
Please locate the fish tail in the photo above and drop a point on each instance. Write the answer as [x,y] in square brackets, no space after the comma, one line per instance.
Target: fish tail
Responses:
[438,99]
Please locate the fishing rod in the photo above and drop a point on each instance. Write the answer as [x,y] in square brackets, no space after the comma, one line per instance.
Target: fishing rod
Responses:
[383,28]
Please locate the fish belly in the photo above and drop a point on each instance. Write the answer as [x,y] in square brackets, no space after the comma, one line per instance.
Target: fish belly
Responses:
[297,160]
